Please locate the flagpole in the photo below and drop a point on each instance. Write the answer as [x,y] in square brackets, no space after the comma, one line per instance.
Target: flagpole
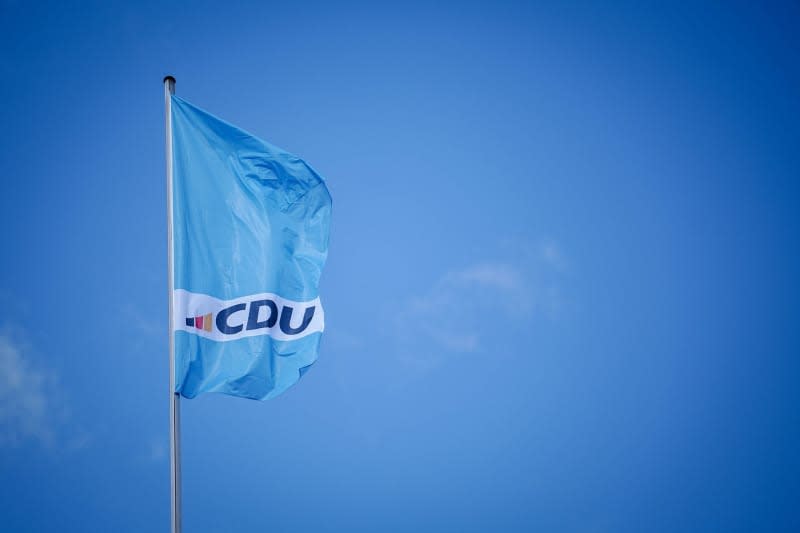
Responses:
[174,398]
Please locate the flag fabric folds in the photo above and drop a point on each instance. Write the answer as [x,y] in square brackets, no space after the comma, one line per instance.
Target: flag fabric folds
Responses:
[250,238]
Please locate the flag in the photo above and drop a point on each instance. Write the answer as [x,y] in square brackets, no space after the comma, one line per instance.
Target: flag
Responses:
[250,238]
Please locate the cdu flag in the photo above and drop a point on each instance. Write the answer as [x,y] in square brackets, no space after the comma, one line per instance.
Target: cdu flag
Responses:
[250,238]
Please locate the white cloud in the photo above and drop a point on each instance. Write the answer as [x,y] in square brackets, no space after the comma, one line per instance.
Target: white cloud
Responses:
[31,404]
[158,449]
[144,332]
[552,256]
[23,399]
[496,275]
[457,313]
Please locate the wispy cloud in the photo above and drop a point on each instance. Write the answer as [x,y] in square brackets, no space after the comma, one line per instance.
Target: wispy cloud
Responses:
[158,449]
[23,400]
[463,308]
[550,253]
[31,403]
[143,328]
[499,276]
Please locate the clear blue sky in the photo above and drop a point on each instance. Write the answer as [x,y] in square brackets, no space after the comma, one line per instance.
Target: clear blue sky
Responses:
[562,290]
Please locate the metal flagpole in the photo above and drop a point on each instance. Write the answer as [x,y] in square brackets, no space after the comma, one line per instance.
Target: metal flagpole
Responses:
[174,398]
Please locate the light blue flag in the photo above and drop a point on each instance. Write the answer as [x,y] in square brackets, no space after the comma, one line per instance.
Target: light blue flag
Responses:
[250,233]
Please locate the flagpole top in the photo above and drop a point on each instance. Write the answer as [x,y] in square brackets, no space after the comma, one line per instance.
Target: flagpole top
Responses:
[169,84]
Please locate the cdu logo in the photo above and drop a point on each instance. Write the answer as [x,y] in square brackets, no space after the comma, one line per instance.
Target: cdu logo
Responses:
[258,314]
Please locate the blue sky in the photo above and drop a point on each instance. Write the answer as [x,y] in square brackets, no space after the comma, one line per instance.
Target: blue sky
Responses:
[561,293]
